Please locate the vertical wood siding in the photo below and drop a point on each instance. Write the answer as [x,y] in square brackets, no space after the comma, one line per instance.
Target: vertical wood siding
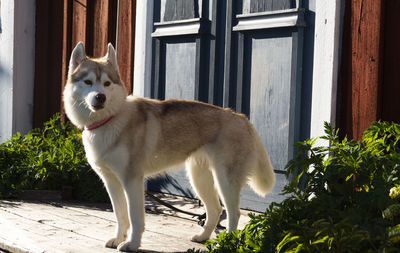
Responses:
[270,85]
[366,61]
[126,46]
[48,60]
[369,78]
[391,63]
[60,26]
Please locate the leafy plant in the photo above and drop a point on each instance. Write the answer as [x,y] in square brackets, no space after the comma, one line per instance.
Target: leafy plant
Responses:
[343,198]
[48,159]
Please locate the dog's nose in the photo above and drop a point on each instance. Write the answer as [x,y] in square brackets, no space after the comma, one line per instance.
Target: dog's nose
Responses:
[100,98]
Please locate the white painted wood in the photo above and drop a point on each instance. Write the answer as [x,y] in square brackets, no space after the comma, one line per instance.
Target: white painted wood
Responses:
[270,95]
[6,68]
[175,28]
[180,70]
[162,10]
[17,61]
[143,45]
[326,63]
[24,65]
[270,19]
[246,6]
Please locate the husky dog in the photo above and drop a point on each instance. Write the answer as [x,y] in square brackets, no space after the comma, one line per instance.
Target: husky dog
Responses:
[127,139]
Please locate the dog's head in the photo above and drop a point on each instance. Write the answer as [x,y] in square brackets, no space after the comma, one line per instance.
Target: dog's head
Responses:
[94,89]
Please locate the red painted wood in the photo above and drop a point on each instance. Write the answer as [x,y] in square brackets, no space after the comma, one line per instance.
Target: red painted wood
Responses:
[344,113]
[366,63]
[361,79]
[60,25]
[66,45]
[79,17]
[48,60]
[391,69]
[101,26]
[126,45]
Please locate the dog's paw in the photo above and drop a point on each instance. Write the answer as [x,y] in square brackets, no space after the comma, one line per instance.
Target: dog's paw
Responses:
[200,237]
[128,246]
[114,242]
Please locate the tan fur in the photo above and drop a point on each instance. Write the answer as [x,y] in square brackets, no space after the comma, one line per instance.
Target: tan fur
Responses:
[145,137]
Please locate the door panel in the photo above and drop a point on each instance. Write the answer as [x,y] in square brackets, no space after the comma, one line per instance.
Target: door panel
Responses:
[180,70]
[247,55]
[179,40]
[270,92]
[268,49]
[172,10]
[254,6]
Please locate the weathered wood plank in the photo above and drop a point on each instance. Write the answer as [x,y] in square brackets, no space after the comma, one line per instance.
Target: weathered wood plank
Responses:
[180,70]
[391,87]
[126,43]
[253,6]
[66,48]
[366,60]
[79,15]
[48,62]
[179,9]
[361,71]
[270,88]
[30,228]
[230,69]
[102,20]
[75,227]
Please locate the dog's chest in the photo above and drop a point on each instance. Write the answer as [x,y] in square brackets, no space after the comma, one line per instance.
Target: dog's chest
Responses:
[104,151]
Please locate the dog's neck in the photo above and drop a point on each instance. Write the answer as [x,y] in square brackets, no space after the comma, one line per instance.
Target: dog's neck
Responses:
[98,124]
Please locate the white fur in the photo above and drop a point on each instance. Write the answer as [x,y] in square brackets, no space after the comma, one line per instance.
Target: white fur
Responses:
[116,154]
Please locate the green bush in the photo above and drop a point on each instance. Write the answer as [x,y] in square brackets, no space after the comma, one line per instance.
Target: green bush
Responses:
[343,198]
[50,158]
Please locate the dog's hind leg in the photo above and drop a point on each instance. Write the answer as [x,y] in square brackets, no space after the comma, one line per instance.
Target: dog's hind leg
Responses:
[203,183]
[230,194]
[118,201]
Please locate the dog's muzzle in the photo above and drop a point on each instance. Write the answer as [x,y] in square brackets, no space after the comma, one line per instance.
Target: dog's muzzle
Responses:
[99,101]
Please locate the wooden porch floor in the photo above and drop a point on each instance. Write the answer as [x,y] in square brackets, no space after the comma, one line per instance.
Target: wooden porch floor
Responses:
[58,226]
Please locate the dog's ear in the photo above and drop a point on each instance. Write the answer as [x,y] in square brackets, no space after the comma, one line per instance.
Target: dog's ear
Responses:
[77,57]
[111,56]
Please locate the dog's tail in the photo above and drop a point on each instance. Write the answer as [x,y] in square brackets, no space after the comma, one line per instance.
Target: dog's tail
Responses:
[263,178]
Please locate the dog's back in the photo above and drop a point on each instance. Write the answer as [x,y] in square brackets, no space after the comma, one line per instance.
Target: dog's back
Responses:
[178,129]
[127,139]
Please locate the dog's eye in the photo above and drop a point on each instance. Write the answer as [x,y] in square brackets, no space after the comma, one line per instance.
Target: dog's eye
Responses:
[88,82]
[107,83]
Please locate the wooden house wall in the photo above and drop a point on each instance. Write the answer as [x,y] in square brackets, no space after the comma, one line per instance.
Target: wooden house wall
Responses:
[218,64]
[60,25]
[369,79]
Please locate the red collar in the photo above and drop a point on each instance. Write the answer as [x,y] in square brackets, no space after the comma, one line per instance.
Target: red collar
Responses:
[98,124]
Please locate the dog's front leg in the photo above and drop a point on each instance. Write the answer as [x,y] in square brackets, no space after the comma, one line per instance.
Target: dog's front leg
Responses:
[118,200]
[134,190]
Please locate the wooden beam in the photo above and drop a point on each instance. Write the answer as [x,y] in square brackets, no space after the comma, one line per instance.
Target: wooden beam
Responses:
[101,25]
[126,43]
[48,62]
[391,73]
[361,70]
[79,20]
[367,17]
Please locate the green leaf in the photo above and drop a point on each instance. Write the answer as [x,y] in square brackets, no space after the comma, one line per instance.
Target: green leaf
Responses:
[322,240]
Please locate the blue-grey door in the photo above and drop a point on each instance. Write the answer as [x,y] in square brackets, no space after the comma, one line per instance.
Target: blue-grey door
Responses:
[254,56]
